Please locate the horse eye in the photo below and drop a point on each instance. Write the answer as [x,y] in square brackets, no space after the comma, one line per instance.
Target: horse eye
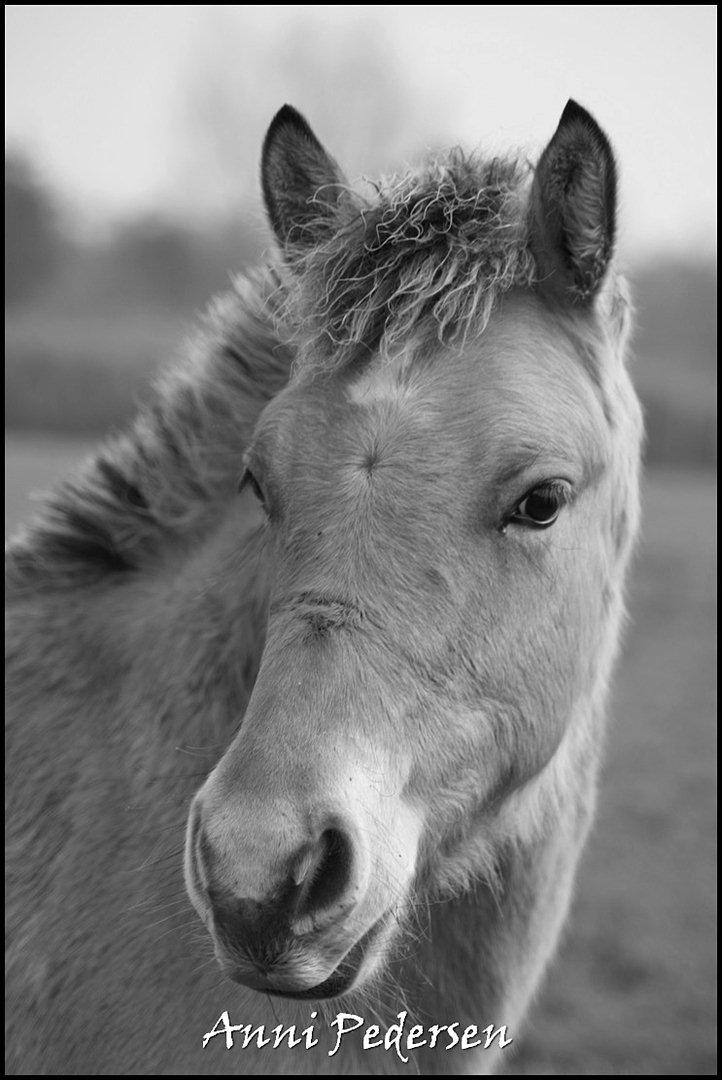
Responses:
[248,480]
[541,507]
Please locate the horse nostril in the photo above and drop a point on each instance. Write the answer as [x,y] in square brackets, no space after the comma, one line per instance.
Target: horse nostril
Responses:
[323,874]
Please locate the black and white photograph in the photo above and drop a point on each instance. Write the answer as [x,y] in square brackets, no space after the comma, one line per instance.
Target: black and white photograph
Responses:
[360,519]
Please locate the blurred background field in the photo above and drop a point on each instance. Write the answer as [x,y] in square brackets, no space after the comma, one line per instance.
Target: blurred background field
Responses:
[103,282]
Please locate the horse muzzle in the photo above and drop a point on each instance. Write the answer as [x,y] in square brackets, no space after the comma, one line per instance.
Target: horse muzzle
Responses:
[300,902]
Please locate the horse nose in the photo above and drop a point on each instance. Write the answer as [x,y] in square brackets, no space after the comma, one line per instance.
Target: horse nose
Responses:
[263,888]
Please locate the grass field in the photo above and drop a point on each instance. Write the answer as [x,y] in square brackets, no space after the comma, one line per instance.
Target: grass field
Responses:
[632,991]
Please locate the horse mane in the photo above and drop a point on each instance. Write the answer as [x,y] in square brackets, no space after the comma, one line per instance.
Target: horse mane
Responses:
[159,482]
[437,245]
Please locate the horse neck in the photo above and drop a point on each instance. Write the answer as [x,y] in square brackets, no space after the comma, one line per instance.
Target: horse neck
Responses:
[136,602]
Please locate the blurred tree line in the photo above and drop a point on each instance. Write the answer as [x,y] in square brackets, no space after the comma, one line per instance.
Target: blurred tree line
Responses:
[33,241]
[89,320]
[149,261]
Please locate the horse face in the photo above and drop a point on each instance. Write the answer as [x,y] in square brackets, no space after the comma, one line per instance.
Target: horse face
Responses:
[448,526]
[444,533]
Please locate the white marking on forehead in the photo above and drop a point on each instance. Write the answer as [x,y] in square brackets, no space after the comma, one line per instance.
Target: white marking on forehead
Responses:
[380,383]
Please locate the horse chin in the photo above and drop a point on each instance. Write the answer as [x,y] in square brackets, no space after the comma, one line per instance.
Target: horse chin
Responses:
[356,968]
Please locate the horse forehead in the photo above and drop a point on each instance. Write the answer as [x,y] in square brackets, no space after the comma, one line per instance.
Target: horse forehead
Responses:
[521,378]
[342,413]
[522,359]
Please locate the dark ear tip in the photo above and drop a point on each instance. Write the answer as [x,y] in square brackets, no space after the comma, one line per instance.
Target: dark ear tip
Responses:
[288,117]
[574,114]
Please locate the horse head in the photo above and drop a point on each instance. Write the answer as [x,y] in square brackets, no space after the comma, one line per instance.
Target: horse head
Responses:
[448,482]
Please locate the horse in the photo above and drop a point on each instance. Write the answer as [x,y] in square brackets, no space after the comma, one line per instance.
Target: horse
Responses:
[319,648]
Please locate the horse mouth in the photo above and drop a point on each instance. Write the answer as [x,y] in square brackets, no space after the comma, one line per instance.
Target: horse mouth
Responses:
[357,964]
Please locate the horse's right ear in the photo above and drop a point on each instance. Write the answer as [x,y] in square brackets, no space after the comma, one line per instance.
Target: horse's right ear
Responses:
[574,203]
[301,182]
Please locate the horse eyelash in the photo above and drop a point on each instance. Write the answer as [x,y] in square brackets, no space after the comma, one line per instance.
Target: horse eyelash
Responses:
[561,488]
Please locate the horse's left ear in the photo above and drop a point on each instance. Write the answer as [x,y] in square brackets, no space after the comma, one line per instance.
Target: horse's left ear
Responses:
[301,181]
[574,202]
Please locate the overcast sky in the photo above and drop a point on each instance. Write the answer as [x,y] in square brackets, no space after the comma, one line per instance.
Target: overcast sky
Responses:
[129,107]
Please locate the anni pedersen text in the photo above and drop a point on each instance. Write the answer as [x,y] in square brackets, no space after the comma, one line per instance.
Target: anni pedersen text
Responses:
[399,1038]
